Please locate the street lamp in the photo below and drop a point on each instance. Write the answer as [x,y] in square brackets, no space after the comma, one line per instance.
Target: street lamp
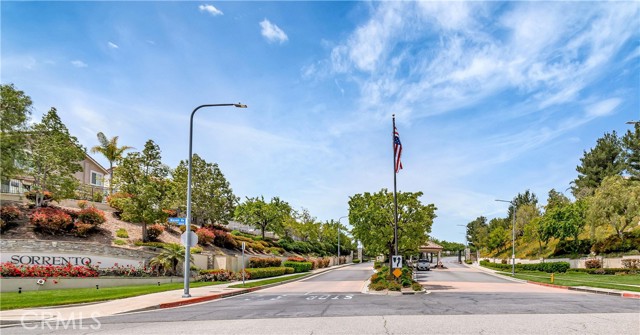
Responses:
[342,217]
[633,122]
[465,244]
[513,237]
[187,251]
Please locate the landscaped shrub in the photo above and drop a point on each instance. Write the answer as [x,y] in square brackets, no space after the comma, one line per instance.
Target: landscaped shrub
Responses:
[51,221]
[631,263]
[296,259]
[224,240]
[23,270]
[265,272]
[154,231]
[10,213]
[218,275]
[118,200]
[416,287]
[377,265]
[378,286]
[277,251]
[122,233]
[289,270]
[91,216]
[82,229]
[82,204]
[393,286]
[125,271]
[566,247]
[31,195]
[205,236]
[97,197]
[298,266]
[592,264]
[356,261]
[614,244]
[551,267]
[257,262]
[601,271]
[119,242]
[3,225]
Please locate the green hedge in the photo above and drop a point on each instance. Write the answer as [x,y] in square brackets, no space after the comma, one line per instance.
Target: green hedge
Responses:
[551,267]
[602,271]
[298,266]
[257,262]
[256,273]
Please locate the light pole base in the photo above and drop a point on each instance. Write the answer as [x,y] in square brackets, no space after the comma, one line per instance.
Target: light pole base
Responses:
[186,295]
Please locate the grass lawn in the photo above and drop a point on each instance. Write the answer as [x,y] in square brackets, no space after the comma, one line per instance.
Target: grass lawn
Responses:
[269,281]
[617,282]
[13,300]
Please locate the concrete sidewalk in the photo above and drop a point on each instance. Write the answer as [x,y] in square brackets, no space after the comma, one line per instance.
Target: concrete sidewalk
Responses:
[151,301]
[588,289]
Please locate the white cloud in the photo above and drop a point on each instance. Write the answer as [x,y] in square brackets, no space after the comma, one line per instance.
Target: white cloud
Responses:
[603,108]
[272,32]
[210,9]
[79,63]
[113,45]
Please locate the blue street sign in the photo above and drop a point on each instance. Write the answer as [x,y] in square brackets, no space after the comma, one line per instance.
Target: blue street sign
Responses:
[178,221]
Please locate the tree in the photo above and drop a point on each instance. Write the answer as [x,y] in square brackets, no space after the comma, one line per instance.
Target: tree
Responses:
[171,255]
[55,158]
[526,198]
[556,199]
[631,145]
[143,176]
[372,219]
[498,239]
[111,151]
[566,221]
[535,231]
[265,216]
[526,213]
[212,199]
[477,232]
[15,111]
[616,202]
[604,160]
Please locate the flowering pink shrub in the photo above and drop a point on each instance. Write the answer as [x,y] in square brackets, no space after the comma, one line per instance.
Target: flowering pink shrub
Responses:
[205,236]
[51,221]
[12,270]
[82,229]
[219,275]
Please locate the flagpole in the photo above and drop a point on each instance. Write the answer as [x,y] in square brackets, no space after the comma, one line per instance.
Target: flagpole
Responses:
[395,196]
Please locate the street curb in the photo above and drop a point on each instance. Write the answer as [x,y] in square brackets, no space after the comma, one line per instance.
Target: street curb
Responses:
[549,285]
[631,295]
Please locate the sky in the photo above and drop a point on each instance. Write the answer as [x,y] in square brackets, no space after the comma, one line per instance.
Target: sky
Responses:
[490,98]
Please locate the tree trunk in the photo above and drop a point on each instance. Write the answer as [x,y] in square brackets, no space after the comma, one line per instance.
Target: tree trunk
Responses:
[144,232]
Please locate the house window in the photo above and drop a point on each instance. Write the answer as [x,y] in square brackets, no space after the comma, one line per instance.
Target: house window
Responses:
[96,178]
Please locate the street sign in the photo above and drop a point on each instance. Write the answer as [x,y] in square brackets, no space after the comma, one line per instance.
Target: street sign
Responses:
[397,272]
[194,239]
[396,262]
[178,221]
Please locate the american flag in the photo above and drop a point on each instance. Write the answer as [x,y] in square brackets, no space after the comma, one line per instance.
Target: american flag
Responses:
[397,149]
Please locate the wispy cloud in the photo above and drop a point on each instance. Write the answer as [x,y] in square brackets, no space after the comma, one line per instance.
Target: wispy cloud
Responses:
[113,45]
[79,63]
[210,9]
[272,32]
[603,108]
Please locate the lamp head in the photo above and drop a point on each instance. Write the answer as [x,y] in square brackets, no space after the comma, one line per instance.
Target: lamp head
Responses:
[239,105]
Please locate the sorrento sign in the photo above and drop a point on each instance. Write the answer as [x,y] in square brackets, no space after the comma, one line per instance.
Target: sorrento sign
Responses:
[33,258]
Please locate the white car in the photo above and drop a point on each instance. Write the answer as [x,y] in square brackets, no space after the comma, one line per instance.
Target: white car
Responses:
[423,264]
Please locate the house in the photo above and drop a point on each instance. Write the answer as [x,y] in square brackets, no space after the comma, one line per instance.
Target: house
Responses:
[92,183]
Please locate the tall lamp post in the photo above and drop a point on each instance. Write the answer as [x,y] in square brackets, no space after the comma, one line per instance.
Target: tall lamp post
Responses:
[513,237]
[342,217]
[187,251]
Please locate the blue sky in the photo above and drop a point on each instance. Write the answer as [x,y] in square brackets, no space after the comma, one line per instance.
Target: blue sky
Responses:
[491,98]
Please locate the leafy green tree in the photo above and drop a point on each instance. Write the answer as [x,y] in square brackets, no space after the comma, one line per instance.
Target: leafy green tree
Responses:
[111,151]
[566,221]
[143,175]
[15,111]
[265,216]
[477,232]
[534,231]
[308,227]
[556,199]
[604,160]
[498,239]
[631,145]
[525,214]
[212,199]
[55,158]
[372,217]
[522,199]
[617,203]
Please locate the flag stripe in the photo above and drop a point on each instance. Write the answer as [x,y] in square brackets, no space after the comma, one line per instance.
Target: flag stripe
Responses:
[397,149]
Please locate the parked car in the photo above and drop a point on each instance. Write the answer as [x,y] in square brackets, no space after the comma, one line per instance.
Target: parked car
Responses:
[423,265]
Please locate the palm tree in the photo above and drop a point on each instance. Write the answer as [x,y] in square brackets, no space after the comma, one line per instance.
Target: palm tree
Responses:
[171,255]
[111,151]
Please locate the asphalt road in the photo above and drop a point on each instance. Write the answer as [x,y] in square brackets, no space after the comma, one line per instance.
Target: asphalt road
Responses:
[461,300]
